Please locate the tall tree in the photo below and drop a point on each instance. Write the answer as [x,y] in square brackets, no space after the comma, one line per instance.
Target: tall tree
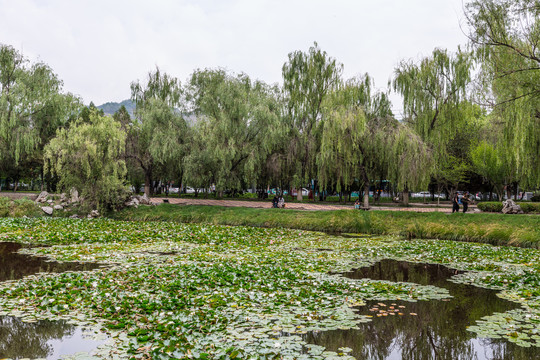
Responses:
[434,100]
[237,128]
[32,107]
[506,37]
[157,135]
[361,140]
[308,77]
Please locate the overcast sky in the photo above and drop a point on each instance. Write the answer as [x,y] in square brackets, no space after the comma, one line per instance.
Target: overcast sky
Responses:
[99,47]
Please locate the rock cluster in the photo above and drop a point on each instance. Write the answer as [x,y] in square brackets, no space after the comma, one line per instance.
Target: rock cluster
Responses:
[137,200]
[50,202]
[510,207]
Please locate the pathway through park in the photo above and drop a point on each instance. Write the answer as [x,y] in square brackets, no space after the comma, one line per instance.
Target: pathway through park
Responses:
[303,206]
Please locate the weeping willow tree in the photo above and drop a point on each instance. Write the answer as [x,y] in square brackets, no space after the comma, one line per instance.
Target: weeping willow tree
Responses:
[362,140]
[434,101]
[308,77]
[88,156]
[32,107]
[238,124]
[506,37]
[158,133]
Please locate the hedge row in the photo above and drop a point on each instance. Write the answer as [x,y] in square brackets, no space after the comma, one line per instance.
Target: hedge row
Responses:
[495,206]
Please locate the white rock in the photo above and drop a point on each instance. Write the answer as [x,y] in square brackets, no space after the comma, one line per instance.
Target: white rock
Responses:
[42,196]
[74,195]
[58,207]
[47,210]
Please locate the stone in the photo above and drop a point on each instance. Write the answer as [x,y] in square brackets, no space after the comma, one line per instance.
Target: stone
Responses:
[73,195]
[42,196]
[50,201]
[510,207]
[144,200]
[63,197]
[58,207]
[47,210]
[74,216]
[94,214]
[133,201]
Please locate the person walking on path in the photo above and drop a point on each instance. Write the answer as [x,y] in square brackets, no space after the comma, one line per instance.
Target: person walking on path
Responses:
[455,203]
[465,202]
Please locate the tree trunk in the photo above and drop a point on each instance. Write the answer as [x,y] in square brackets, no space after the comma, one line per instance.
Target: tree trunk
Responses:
[406,196]
[148,183]
[366,195]
[299,194]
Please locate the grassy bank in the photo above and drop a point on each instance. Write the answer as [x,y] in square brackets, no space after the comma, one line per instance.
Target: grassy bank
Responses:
[496,229]
[18,208]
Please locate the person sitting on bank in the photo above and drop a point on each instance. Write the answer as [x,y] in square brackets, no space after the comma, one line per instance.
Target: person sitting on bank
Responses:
[281,202]
[357,204]
[275,201]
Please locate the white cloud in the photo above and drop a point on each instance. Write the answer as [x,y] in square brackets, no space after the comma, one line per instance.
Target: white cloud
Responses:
[98,47]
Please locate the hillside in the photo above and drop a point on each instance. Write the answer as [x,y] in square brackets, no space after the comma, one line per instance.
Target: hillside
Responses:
[111,107]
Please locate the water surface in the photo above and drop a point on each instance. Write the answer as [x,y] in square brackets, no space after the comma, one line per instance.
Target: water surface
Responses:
[424,330]
[42,339]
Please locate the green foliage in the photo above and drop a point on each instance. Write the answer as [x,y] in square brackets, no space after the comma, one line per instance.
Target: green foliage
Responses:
[434,99]
[530,208]
[238,126]
[18,208]
[32,107]
[158,133]
[88,157]
[491,206]
[433,92]
[490,162]
[308,77]
[497,229]
[497,206]
[361,140]
[505,35]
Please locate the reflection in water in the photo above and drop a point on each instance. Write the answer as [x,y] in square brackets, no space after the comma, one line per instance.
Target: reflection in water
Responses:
[425,329]
[15,266]
[41,339]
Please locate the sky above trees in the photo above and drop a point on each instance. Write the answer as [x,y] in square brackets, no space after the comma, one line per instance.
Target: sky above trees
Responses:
[99,47]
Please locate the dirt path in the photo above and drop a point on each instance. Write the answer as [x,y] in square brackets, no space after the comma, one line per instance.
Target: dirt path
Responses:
[300,206]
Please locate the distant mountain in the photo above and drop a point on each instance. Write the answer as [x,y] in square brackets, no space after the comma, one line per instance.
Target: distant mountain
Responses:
[111,107]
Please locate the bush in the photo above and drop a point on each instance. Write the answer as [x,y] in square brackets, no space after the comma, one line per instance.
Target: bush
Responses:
[18,208]
[530,208]
[5,204]
[536,198]
[495,206]
[490,206]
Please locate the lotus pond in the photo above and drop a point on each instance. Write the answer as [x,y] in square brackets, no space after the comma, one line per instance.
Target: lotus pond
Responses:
[170,290]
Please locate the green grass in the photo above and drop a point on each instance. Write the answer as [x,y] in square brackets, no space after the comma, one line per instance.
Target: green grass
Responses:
[496,229]
[18,208]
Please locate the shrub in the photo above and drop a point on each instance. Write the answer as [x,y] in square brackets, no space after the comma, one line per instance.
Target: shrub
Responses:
[536,198]
[490,206]
[494,206]
[4,206]
[18,208]
[530,208]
